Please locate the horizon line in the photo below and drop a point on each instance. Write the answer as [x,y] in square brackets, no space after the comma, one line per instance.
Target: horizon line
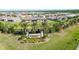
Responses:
[35,9]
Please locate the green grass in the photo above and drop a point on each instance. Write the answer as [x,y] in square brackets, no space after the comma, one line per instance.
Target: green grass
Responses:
[58,41]
[10,42]
[52,22]
[61,41]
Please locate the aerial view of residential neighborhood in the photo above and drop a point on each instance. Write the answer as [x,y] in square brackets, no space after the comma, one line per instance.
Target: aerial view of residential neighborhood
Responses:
[39,30]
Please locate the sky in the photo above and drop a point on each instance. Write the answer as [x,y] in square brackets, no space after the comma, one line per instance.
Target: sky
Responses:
[39,4]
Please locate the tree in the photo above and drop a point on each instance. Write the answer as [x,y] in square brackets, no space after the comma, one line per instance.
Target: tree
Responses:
[45,27]
[4,27]
[24,27]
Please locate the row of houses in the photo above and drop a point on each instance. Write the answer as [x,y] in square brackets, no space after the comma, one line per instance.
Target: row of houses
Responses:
[10,17]
[19,16]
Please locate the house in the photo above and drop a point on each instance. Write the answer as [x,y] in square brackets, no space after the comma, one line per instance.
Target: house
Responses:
[10,17]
